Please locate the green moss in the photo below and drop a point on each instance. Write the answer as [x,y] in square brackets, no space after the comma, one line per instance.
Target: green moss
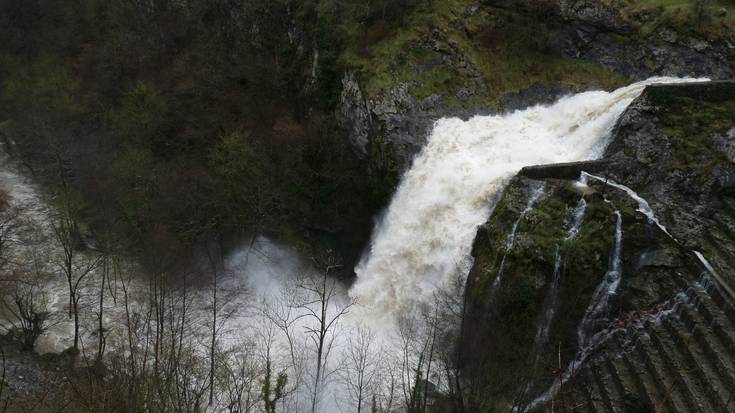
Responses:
[528,270]
[512,316]
[690,17]
[585,263]
[509,51]
[544,228]
[689,117]
[490,244]
[502,46]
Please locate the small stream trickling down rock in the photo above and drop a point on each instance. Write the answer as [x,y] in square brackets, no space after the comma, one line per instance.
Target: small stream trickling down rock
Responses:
[536,194]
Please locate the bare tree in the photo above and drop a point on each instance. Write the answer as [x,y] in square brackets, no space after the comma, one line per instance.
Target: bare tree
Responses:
[10,226]
[74,265]
[271,393]
[5,400]
[362,367]
[110,264]
[239,377]
[162,365]
[418,332]
[220,299]
[283,313]
[29,309]
[22,262]
[214,258]
[451,303]
[322,307]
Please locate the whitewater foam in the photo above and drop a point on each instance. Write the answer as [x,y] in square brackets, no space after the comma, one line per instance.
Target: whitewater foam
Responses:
[425,237]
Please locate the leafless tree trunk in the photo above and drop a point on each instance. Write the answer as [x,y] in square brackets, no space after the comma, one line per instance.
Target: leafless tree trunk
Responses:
[362,367]
[28,307]
[323,308]
[5,402]
[75,266]
[11,222]
[214,256]
[101,308]
[283,315]
[219,302]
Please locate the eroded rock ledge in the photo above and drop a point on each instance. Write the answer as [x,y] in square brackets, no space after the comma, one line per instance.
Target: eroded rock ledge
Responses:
[559,326]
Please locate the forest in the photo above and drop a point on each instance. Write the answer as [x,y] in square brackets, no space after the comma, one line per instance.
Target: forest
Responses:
[169,133]
[377,206]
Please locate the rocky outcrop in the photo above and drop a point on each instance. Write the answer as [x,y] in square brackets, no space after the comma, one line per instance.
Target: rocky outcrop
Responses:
[638,45]
[633,310]
[389,126]
[679,359]
[570,170]
[354,114]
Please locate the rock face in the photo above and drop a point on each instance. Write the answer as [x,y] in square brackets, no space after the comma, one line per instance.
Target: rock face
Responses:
[391,125]
[618,292]
[599,31]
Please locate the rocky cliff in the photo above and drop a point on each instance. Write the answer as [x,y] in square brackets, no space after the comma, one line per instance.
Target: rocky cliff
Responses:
[617,291]
[465,57]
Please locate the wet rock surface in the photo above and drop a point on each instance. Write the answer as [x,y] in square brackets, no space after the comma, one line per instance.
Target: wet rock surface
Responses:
[661,338]
[26,374]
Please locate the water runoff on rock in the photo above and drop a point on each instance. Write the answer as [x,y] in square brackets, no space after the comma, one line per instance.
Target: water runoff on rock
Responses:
[424,240]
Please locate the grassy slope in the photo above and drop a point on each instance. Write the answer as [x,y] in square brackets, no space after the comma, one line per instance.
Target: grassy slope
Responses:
[503,47]
[507,50]
[690,117]
[684,16]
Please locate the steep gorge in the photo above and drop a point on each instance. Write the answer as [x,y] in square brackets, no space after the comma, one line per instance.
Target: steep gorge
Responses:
[601,279]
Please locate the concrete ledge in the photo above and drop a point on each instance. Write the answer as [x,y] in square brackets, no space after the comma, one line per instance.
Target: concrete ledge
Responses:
[570,170]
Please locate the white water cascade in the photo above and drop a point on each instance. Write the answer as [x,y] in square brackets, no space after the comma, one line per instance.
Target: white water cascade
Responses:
[424,240]
[421,245]
[510,241]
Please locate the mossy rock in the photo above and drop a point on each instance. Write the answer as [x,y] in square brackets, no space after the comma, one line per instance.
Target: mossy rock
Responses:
[690,116]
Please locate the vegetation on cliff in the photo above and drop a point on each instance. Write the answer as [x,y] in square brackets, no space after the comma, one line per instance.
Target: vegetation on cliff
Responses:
[165,128]
[673,146]
[192,119]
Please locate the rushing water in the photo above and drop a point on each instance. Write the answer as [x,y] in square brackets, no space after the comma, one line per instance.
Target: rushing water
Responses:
[421,246]
[425,237]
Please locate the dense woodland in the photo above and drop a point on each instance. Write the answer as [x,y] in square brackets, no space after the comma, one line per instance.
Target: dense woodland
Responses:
[157,145]
[168,132]
[189,119]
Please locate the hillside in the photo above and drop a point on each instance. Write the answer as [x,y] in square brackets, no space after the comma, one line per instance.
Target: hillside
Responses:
[388,205]
[664,289]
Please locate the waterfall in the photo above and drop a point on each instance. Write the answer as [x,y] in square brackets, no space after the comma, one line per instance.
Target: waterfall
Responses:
[510,241]
[643,205]
[597,309]
[424,240]
[587,338]
[577,217]
[552,296]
